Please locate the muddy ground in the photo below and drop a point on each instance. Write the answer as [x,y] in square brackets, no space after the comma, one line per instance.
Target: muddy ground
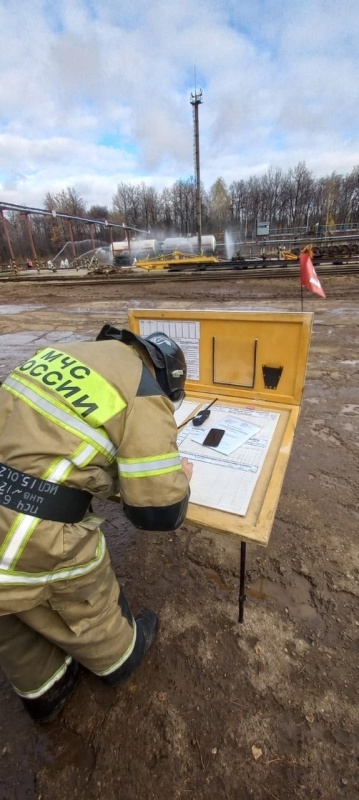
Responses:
[261,711]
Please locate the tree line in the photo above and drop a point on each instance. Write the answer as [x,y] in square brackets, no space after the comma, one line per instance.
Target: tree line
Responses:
[289,199]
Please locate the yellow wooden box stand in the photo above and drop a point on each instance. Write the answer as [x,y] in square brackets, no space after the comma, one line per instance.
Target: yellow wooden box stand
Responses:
[252,364]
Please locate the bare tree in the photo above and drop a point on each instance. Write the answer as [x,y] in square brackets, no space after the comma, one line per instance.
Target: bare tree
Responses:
[68,201]
[149,206]
[166,216]
[184,206]
[272,187]
[98,212]
[355,195]
[126,204]
[299,185]
[220,205]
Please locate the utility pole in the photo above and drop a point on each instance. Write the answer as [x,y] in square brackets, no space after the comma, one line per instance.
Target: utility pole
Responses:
[32,243]
[196,100]
[6,229]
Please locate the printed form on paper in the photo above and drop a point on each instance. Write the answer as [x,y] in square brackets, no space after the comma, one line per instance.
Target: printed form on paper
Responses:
[225,477]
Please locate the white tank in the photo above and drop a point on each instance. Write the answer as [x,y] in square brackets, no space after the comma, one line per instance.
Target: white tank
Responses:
[139,248]
[144,247]
[208,244]
[181,243]
[189,244]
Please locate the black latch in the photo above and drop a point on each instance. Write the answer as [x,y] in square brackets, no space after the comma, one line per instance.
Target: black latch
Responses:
[271,376]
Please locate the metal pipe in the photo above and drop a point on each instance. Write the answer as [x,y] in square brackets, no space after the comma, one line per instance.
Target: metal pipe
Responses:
[45,212]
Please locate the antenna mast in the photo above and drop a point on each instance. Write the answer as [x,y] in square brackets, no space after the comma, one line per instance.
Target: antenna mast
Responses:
[196,100]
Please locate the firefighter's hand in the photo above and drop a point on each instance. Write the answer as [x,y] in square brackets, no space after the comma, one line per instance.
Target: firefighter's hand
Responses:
[187,467]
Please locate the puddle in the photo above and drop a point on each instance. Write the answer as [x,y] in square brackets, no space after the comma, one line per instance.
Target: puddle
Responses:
[18,309]
[94,311]
[37,337]
[351,408]
[339,312]
[350,363]
[296,597]
[20,338]
[15,348]
[59,752]
[214,577]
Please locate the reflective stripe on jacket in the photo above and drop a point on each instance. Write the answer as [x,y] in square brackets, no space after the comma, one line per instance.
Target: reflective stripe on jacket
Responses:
[93,417]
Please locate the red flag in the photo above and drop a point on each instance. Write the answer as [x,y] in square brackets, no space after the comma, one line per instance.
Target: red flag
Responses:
[308,275]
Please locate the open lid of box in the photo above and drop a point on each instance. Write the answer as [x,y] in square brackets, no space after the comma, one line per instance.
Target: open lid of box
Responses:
[254,355]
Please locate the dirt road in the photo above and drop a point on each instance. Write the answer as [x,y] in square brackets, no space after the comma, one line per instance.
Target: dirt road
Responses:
[219,711]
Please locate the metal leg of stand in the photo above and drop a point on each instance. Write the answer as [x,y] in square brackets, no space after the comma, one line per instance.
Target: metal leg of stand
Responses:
[242,581]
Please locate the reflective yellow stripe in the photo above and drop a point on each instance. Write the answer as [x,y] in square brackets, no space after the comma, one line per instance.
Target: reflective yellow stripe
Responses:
[66,574]
[148,474]
[149,466]
[150,459]
[24,525]
[57,413]
[48,684]
[83,389]
[124,657]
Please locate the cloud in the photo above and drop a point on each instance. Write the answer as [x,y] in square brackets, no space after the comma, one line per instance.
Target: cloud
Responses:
[94,92]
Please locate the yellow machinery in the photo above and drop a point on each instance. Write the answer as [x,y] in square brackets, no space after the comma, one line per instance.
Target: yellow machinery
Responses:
[288,255]
[176,260]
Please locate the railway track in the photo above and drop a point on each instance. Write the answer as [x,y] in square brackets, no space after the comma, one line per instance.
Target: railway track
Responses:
[156,276]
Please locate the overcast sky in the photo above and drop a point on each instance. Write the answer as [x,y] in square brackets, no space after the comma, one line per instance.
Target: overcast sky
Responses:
[97,92]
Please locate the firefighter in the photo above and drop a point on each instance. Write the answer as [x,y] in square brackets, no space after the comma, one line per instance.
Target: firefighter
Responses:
[96,418]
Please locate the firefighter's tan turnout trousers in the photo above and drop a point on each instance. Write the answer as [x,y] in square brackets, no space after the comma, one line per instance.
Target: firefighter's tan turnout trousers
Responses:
[83,621]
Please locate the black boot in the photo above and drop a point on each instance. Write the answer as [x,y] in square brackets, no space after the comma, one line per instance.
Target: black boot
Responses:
[147,625]
[48,705]
[125,608]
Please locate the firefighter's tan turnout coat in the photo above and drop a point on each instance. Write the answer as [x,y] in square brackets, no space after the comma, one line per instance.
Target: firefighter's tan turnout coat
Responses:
[90,416]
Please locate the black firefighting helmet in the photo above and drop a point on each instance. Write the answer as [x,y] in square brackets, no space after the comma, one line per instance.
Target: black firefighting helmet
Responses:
[165,354]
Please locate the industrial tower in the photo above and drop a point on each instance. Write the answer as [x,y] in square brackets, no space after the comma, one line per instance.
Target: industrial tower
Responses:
[196,99]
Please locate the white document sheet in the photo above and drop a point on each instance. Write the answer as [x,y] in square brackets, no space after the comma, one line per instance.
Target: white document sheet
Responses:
[227,482]
[236,433]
